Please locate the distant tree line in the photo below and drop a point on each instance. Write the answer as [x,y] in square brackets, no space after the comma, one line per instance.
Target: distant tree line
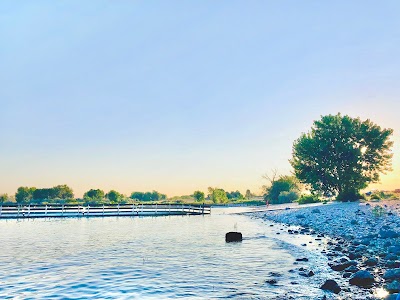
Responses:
[148,196]
[63,194]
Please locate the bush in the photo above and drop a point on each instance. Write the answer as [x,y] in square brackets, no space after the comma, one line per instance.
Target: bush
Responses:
[375,196]
[349,196]
[305,199]
[287,197]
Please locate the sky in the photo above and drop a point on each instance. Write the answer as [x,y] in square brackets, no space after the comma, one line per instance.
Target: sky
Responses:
[177,96]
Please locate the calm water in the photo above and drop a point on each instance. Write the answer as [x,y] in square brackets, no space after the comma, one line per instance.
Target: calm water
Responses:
[146,258]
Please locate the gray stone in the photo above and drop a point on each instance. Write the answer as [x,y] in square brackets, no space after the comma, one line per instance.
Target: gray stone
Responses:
[393,287]
[392,274]
[332,286]
[388,234]
[362,278]
[371,262]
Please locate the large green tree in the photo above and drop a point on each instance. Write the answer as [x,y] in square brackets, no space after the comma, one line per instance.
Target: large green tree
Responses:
[342,155]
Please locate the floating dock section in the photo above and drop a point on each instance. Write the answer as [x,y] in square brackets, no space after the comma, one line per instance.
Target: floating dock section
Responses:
[131,210]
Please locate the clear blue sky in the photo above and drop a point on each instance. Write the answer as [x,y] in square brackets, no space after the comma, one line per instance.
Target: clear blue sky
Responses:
[182,95]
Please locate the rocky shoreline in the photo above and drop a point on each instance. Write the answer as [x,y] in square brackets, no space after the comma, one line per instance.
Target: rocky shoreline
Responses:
[363,245]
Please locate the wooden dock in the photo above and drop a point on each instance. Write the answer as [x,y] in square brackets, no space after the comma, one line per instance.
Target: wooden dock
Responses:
[128,210]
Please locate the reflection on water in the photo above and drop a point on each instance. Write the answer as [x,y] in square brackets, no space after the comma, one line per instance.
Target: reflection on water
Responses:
[163,257]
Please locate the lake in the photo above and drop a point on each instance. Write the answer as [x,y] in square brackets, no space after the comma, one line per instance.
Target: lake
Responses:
[153,258]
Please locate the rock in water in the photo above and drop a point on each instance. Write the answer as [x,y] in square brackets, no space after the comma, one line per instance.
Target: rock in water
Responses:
[362,278]
[233,237]
[331,285]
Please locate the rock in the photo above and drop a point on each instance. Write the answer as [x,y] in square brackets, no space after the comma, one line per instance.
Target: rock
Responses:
[353,255]
[307,273]
[392,274]
[271,281]
[392,264]
[342,263]
[371,262]
[351,269]
[362,278]
[391,256]
[302,259]
[332,286]
[394,249]
[388,234]
[365,241]
[393,297]
[393,287]
[346,275]
[233,237]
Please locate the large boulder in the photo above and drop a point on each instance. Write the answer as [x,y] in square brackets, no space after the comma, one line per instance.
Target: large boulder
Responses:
[233,237]
[362,278]
[332,286]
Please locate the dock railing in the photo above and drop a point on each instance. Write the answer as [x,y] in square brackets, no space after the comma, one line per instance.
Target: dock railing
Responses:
[69,210]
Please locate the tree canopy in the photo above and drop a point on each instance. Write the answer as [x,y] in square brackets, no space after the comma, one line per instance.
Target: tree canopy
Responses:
[217,195]
[114,197]
[148,196]
[94,195]
[199,196]
[342,155]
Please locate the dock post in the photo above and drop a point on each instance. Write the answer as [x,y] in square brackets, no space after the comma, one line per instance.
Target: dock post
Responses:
[169,208]
[1,208]
[88,208]
[156,208]
[45,210]
[103,210]
[62,209]
[142,207]
[29,209]
[182,210]
[118,209]
[133,209]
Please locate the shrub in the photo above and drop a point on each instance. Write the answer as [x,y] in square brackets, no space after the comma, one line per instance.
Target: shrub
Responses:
[375,196]
[305,199]
[287,197]
[378,211]
[349,196]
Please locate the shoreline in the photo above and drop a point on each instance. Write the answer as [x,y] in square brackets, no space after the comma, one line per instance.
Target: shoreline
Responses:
[362,246]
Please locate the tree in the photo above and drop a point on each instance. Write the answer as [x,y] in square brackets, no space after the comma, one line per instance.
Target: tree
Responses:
[248,195]
[3,198]
[24,194]
[284,184]
[137,196]
[63,192]
[218,195]
[342,155]
[199,196]
[93,195]
[114,197]
[234,195]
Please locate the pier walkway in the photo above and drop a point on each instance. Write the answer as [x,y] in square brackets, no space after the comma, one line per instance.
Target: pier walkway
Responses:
[130,210]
